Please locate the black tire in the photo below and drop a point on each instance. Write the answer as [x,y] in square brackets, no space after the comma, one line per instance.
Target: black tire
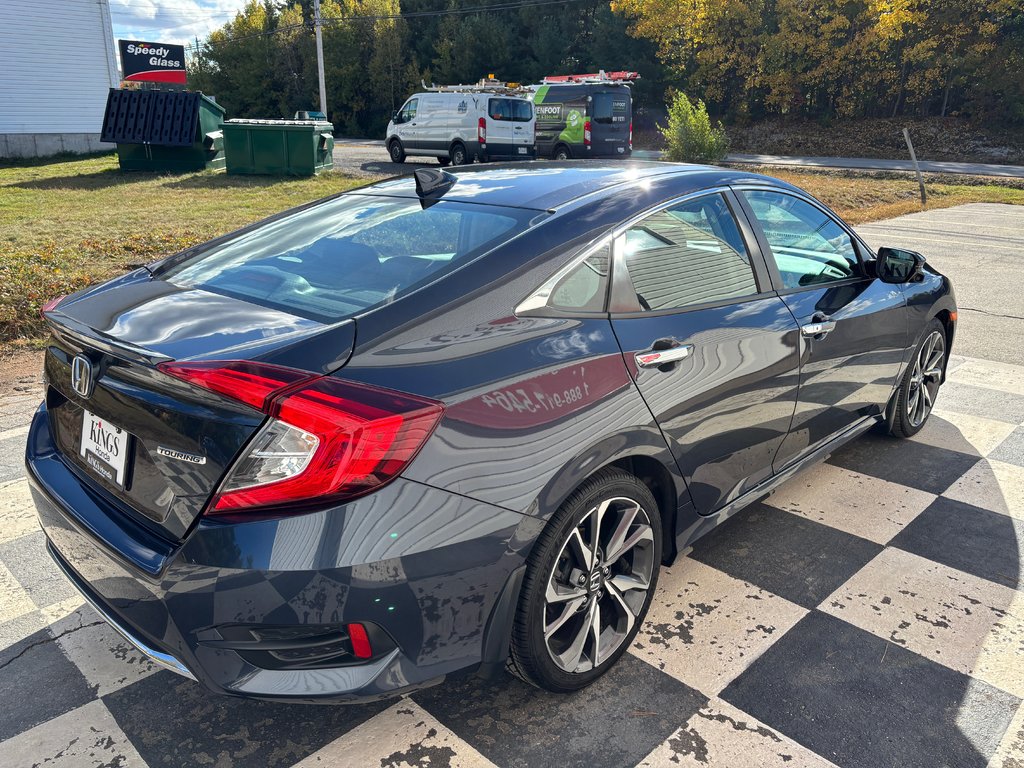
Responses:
[443,161]
[562,153]
[532,656]
[458,154]
[919,387]
[396,151]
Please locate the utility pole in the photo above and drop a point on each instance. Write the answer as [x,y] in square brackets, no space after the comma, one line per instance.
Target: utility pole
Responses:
[320,55]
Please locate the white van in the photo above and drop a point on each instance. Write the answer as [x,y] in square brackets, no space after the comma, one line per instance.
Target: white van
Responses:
[460,124]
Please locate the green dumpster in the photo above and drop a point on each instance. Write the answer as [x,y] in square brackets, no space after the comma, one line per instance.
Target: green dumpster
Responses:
[164,130]
[278,147]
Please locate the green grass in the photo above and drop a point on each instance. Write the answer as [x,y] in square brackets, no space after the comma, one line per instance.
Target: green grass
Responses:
[68,222]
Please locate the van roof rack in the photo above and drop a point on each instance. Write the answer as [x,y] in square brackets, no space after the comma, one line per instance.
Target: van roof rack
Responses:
[486,85]
[595,77]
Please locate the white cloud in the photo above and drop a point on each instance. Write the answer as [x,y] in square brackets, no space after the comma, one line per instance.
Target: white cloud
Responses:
[170,21]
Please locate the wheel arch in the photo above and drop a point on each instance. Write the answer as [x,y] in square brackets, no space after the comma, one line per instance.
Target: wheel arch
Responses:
[643,453]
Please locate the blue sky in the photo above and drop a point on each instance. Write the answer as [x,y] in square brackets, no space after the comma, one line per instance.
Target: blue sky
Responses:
[170,21]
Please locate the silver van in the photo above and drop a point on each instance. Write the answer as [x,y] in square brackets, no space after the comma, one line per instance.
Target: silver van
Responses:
[462,123]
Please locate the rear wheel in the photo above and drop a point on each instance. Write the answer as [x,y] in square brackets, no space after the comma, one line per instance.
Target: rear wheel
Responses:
[562,153]
[458,154]
[589,583]
[920,386]
[396,151]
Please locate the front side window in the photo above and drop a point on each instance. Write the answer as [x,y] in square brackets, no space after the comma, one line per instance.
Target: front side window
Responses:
[691,253]
[408,111]
[809,246]
[347,255]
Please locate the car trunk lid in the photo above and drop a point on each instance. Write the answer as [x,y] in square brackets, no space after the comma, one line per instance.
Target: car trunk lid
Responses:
[176,441]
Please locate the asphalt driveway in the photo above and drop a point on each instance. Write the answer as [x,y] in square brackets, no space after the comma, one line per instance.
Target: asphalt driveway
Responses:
[870,613]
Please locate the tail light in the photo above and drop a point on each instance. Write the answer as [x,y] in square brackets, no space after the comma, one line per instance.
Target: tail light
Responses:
[326,439]
[586,134]
[630,135]
[481,130]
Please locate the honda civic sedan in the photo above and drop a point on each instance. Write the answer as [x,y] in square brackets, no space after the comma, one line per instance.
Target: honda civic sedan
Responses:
[456,421]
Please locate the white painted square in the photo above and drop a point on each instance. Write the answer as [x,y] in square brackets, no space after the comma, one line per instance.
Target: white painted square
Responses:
[705,627]
[17,512]
[87,736]
[106,659]
[719,734]
[969,624]
[993,485]
[403,736]
[865,506]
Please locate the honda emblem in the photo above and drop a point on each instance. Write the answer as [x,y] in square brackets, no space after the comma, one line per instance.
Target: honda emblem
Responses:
[81,376]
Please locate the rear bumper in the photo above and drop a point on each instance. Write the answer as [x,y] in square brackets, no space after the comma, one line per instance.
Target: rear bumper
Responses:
[500,151]
[426,566]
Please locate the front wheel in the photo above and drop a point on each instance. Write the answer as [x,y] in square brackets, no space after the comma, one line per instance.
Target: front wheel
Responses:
[589,583]
[396,151]
[920,385]
[458,155]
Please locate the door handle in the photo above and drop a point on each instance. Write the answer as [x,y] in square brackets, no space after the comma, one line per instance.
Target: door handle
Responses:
[819,327]
[658,357]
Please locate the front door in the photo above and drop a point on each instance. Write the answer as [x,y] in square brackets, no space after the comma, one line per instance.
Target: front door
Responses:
[407,125]
[853,327]
[712,351]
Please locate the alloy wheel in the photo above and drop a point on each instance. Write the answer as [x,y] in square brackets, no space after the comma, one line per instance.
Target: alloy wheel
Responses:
[598,585]
[925,378]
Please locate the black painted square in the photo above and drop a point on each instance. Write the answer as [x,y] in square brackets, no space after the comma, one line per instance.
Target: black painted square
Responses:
[38,683]
[172,721]
[860,700]
[616,721]
[969,539]
[795,558]
[906,462]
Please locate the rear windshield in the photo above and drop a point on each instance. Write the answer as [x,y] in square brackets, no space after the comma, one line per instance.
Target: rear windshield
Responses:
[610,107]
[347,255]
[515,110]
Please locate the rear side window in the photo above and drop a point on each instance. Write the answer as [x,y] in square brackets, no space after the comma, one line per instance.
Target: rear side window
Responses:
[809,246]
[609,107]
[691,253]
[513,110]
[347,255]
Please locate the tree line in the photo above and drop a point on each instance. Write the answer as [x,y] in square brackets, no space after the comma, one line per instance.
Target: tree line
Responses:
[747,59]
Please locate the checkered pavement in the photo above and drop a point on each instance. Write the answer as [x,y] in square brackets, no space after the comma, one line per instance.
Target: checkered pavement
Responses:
[869,613]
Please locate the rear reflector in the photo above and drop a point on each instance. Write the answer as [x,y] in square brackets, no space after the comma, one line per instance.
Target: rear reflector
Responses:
[360,641]
[327,439]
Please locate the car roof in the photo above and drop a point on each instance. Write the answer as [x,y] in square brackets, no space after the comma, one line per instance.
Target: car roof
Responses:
[545,186]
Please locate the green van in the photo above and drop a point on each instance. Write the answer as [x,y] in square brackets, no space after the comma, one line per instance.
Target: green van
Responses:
[578,120]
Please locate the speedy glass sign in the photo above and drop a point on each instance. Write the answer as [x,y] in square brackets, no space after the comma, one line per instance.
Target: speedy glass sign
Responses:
[152,62]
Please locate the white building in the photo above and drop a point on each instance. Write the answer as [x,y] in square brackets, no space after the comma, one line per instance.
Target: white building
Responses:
[57,61]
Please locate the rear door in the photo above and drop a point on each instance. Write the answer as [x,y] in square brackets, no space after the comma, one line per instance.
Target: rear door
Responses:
[712,350]
[853,327]
[610,118]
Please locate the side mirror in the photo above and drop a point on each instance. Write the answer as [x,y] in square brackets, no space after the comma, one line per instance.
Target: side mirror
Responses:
[396,118]
[897,265]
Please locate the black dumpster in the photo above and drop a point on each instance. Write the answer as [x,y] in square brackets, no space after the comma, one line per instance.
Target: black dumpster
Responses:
[164,130]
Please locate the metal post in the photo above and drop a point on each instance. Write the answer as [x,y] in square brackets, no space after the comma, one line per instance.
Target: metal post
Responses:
[917,167]
[320,55]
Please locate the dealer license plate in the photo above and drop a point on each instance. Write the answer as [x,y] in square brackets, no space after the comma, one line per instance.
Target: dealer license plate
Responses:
[522,150]
[104,448]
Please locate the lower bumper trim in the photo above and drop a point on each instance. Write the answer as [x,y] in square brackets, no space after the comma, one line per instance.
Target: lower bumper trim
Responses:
[164,660]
